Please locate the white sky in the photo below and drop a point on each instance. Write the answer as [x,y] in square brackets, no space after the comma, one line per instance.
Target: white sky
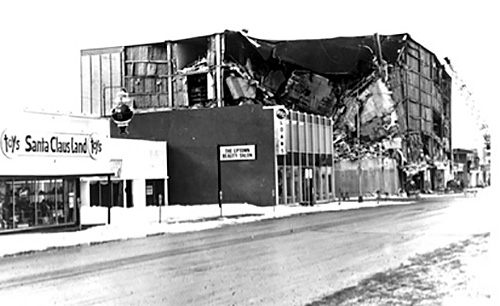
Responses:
[41,40]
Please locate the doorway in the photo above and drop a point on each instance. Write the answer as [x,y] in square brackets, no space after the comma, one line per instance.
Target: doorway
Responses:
[128,194]
[155,192]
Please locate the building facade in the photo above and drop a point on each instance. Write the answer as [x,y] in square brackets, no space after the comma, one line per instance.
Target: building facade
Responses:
[284,149]
[384,96]
[64,170]
[421,88]
[470,169]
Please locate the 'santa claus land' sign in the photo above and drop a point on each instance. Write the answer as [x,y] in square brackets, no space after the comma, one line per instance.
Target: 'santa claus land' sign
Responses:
[14,143]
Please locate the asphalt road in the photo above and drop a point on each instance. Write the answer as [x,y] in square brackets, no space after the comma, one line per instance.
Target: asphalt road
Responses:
[290,261]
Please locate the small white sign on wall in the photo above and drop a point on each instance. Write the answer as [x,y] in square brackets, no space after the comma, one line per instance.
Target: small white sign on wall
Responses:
[240,152]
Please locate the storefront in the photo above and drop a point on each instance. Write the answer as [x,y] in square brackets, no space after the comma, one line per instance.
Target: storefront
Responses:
[137,189]
[291,160]
[305,170]
[48,162]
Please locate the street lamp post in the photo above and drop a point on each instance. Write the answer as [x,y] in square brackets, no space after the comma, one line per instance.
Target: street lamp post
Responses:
[360,170]
[160,202]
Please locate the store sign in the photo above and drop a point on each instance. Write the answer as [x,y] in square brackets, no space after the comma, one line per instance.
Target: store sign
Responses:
[280,137]
[242,152]
[279,130]
[15,143]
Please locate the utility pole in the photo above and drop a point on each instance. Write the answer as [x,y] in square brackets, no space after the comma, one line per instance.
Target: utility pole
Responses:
[219,180]
[360,171]
[382,178]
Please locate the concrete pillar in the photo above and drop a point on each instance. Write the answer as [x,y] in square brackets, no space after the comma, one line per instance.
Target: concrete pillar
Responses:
[85,193]
[165,193]
[139,192]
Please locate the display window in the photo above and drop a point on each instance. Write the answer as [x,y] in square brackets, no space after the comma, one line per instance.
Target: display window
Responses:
[104,192]
[155,190]
[305,178]
[26,203]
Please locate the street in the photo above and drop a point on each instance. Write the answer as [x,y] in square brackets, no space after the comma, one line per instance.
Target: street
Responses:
[289,261]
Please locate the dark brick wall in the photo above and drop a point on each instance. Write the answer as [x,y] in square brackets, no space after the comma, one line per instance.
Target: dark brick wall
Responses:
[193,136]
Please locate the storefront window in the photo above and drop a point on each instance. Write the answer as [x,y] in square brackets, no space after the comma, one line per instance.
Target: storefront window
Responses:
[297,184]
[4,213]
[329,171]
[42,202]
[289,185]
[102,193]
[281,184]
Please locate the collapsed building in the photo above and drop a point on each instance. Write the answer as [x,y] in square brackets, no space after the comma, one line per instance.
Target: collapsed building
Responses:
[358,107]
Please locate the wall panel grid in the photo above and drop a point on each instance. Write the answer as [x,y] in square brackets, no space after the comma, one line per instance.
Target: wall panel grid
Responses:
[97,83]
[86,83]
[308,133]
[414,109]
[309,147]
[425,85]
[427,113]
[426,99]
[100,82]
[413,49]
[413,93]
[413,123]
[147,75]
[413,78]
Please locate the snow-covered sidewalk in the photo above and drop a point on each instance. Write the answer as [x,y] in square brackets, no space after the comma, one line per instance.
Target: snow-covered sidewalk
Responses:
[180,219]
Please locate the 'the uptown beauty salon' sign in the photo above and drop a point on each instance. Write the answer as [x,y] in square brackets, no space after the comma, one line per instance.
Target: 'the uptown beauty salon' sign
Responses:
[240,152]
[15,143]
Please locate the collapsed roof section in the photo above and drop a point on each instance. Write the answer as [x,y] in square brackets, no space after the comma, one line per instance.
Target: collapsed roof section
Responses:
[316,76]
[336,56]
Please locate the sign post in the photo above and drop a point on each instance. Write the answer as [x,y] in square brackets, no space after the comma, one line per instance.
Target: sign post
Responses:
[110,184]
[219,181]
[308,175]
[160,201]
[231,153]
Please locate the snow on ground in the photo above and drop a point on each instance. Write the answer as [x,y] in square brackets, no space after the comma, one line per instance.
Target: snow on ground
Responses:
[180,219]
[454,275]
